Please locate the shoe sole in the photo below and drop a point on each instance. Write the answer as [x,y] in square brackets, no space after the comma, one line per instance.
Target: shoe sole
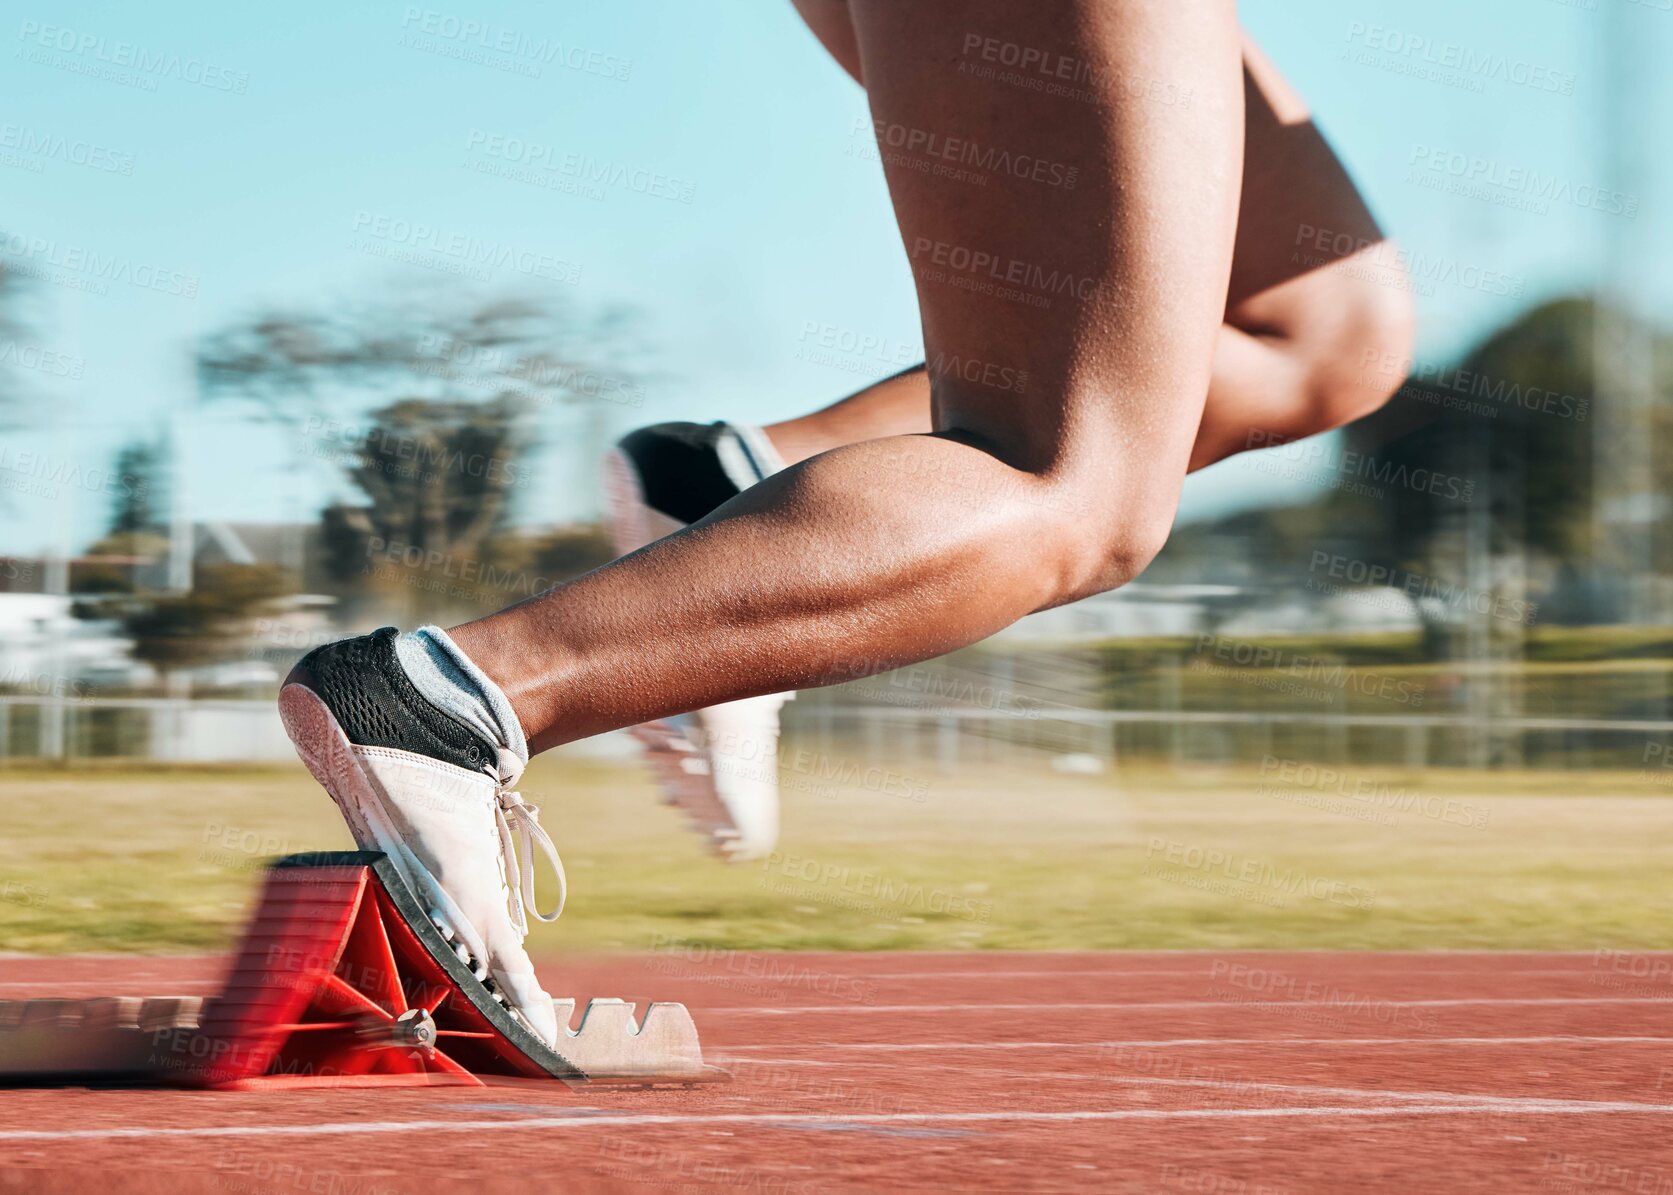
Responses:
[325,751]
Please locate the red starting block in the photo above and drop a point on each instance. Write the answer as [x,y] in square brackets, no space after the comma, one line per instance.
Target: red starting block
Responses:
[341,980]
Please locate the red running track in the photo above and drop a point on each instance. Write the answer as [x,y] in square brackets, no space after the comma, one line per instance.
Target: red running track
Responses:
[1191,1072]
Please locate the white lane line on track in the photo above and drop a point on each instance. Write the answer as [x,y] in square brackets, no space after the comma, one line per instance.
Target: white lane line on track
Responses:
[1362,979]
[1195,1042]
[1230,1005]
[1201,973]
[1017,1116]
[1466,1099]
[125,980]
[796,1010]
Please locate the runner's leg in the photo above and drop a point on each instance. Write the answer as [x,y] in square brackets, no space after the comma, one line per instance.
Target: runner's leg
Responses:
[890,551]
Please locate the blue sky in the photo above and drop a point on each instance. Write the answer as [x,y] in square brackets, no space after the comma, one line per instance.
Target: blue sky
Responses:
[256,157]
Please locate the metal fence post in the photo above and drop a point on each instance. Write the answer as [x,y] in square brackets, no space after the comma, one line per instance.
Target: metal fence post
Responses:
[946,742]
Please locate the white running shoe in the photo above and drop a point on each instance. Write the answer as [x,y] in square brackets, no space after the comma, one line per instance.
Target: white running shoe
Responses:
[435,798]
[718,766]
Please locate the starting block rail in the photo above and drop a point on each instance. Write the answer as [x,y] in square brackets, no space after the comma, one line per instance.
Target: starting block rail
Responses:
[341,980]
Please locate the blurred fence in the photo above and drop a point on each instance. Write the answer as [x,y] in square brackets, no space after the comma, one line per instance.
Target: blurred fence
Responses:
[172,729]
[954,737]
[206,731]
[175,730]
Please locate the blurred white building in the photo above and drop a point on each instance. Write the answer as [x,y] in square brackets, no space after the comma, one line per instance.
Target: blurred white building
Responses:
[41,642]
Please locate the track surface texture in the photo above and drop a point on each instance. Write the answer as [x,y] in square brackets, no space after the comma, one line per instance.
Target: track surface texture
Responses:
[1193,1072]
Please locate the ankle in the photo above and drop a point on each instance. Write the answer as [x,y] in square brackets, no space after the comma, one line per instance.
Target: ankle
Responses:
[458,671]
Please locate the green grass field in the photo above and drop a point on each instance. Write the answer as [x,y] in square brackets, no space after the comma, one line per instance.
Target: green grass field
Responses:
[1012,856]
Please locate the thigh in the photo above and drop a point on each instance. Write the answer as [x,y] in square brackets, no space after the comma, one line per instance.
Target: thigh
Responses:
[1108,293]
[1294,187]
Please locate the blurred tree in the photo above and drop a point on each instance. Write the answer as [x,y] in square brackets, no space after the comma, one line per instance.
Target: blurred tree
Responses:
[568,552]
[1508,425]
[1478,474]
[1479,490]
[314,369]
[437,476]
[141,478]
[13,324]
[210,623]
[1486,458]
[454,392]
[137,536]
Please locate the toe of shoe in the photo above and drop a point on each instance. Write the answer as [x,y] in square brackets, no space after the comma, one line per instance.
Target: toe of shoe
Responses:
[522,989]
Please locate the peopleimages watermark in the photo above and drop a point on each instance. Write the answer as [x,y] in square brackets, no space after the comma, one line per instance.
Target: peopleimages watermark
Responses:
[1235,656]
[864,889]
[928,687]
[27,682]
[521,160]
[1450,63]
[1654,967]
[253,1172]
[43,475]
[821,774]
[123,62]
[626,1158]
[418,243]
[489,367]
[399,454]
[13,568]
[961,159]
[755,757]
[1247,983]
[853,350]
[1200,1180]
[1658,755]
[31,149]
[1317,462]
[1063,76]
[1221,871]
[1514,185]
[1346,571]
[52,362]
[1173,1066]
[1455,387]
[1376,800]
[1577,1174]
[471,40]
[82,268]
[995,275]
[990,375]
[753,971]
[1384,263]
[955,484]
[22,892]
[1633,973]
[434,571]
[279,632]
[237,848]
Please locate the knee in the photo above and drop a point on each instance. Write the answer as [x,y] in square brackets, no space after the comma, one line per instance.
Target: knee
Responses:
[1105,541]
[1365,350]
[1118,556]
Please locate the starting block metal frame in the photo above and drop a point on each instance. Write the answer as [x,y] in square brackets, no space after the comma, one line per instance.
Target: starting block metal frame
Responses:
[341,980]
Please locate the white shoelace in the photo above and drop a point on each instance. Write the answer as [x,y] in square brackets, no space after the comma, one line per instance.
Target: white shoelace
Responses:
[510,811]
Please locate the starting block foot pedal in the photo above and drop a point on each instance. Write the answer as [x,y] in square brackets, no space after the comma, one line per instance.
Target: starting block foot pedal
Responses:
[341,980]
